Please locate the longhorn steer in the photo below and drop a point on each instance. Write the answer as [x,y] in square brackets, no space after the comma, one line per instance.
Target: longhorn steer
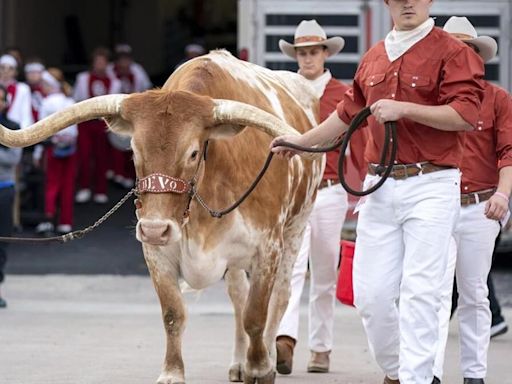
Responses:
[214,98]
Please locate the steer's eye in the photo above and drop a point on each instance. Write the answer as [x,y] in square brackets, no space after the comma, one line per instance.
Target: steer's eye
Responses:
[194,155]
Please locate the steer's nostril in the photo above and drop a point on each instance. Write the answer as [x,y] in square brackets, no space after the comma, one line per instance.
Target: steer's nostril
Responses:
[167,232]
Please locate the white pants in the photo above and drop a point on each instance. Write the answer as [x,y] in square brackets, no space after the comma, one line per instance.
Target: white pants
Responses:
[321,245]
[403,235]
[471,258]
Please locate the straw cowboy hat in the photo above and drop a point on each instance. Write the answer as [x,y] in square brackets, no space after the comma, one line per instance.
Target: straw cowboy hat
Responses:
[309,33]
[462,29]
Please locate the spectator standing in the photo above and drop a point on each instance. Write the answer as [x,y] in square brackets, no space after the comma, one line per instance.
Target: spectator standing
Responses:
[133,78]
[60,158]
[33,71]
[19,108]
[16,52]
[92,138]
[191,50]
[321,243]
[9,159]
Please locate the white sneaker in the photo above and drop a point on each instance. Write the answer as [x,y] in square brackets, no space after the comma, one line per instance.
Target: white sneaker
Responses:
[100,198]
[64,228]
[83,196]
[44,227]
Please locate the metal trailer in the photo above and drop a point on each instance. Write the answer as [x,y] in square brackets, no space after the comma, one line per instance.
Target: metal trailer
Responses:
[261,23]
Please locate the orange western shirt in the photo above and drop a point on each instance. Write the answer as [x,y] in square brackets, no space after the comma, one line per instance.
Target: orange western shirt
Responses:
[489,147]
[438,70]
[333,93]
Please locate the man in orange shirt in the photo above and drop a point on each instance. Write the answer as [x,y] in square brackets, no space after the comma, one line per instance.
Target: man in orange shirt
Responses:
[485,189]
[431,84]
[321,245]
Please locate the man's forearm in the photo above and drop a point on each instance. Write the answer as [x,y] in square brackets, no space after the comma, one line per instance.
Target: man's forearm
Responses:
[326,132]
[442,117]
[505,183]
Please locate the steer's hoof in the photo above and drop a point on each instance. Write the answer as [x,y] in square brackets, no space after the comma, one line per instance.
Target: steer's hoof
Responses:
[269,378]
[168,379]
[236,373]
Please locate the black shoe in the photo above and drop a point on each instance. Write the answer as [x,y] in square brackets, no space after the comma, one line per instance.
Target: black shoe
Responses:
[499,328]
[3,303]
[436,380]
[474,381]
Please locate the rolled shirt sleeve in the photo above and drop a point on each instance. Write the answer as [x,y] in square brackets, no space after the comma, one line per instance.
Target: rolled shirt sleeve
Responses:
[461,84]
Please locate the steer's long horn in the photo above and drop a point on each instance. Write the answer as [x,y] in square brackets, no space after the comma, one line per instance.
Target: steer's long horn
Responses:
[235,112]
[94,108]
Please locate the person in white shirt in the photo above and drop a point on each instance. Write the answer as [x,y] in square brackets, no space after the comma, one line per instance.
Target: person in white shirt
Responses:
[60,156]
[19,107]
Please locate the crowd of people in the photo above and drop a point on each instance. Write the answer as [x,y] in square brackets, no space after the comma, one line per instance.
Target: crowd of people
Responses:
[77,161]
[435,219]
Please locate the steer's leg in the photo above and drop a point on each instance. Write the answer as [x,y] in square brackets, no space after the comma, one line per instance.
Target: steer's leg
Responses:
[238,289]
[280,295]
[259,368]
[164,274]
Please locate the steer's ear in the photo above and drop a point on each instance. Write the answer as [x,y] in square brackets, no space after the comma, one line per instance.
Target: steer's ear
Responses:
[119,125]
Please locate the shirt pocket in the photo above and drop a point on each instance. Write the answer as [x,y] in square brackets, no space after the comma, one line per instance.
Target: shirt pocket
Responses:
[414,81]
[375,85]
[483,124]
[375,79]
[417,87]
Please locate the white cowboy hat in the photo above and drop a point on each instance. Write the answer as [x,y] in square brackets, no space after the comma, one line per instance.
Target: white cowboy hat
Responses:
[462,29]
[309,33]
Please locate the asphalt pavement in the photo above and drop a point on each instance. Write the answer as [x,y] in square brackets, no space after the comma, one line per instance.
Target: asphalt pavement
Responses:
[86,313]
[61,329]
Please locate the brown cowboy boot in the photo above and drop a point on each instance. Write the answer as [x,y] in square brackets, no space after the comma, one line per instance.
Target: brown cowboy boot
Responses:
[285,345]
[387,380]
[319,362]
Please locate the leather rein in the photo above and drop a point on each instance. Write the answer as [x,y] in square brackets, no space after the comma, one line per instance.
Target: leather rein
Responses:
[383,169]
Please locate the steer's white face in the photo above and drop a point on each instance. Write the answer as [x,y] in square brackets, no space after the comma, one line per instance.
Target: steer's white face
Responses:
[168,134]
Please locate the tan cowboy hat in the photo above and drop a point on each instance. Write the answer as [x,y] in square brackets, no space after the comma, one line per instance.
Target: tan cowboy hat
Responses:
[461,28]
[309,33]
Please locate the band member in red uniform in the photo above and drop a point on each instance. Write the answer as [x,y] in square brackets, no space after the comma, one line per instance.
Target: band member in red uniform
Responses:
[485,190]
[133,78]
[60,159]
[431,85]
[320,246]
[92,135]
[33,72]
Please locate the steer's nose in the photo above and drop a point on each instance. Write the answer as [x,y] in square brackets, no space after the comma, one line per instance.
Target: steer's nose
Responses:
[155,232]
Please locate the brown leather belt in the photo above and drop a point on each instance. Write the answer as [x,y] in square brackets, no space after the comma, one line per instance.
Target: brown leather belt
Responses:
[476,197]
[328,183]
[403,171]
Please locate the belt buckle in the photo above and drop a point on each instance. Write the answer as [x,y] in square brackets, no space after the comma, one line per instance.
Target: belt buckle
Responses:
[399,172]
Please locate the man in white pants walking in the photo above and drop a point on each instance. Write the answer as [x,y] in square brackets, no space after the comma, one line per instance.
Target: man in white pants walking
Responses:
[485,189]
[321,243]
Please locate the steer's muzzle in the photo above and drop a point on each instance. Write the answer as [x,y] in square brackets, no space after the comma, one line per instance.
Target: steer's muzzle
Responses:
[157,232]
